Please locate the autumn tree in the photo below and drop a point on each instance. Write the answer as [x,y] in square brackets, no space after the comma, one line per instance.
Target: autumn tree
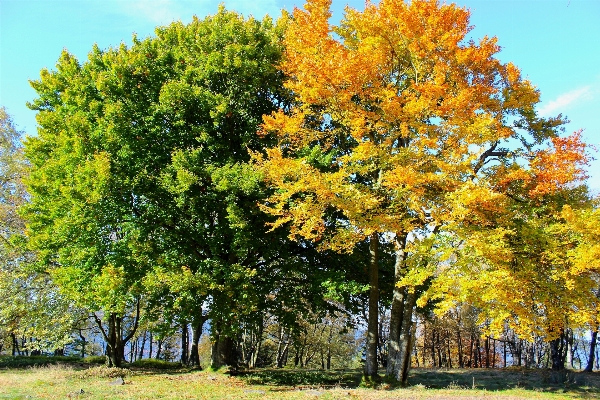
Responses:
[399,120]
[529,258]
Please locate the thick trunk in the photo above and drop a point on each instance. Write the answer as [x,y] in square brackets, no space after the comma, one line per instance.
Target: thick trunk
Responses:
[115,342]
[373,319]
[406,340]
[159,344]
[115,348]
[222,352]
[397,310]
[558,352]
[185,343]
[590,364]
[282,349]
[196,333]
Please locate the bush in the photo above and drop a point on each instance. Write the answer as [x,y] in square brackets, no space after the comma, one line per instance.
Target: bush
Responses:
[34,361]
[152,363]
[103,372]
[94,360]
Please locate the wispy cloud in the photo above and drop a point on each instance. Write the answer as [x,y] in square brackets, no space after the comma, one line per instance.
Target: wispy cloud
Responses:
[565,100]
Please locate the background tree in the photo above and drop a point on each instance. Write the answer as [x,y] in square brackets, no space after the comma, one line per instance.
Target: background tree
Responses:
[34,316]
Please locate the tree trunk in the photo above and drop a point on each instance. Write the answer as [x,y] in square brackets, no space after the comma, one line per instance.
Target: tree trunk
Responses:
[373,320]
[196,333]
[401,362]
[282,349]
[558,353]
[222,353]
[15,344]
[185,343]
[590,364]
[115,342]
[397,310]
[487,352]
[449,350]
[461,363]
[83,342]
[159,344]
[115,348]
[141,354]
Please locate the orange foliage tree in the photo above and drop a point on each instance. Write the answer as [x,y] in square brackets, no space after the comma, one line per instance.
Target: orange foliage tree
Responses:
[401,127]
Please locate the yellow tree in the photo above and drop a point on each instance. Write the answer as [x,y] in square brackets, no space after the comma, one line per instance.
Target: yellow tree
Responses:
[524,256]
[397,118]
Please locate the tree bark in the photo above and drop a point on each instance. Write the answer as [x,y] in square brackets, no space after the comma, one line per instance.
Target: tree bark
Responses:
[141,353]
[406,339]
[222,353]
[115,349]
[590,364]
[282,349]
[461,363]
[83,342]
[196,333]
[397,310]
[558,353]
[373,319]
[115,342]
[185,343]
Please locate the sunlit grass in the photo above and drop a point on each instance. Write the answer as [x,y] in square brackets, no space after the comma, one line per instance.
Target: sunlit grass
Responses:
[64,382]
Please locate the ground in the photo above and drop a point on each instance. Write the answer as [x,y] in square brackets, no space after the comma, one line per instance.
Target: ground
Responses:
[81,381]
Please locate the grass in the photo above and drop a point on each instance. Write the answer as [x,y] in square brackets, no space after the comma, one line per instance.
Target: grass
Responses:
[86,381]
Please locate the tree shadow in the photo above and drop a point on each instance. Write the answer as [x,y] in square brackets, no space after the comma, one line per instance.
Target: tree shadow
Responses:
[538,380]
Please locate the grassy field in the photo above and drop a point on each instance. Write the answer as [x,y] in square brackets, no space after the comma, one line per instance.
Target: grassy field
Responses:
[85,381]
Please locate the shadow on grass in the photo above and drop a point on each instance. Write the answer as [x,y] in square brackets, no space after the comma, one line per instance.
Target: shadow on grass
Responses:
[482,379]
[510,378]
[302,377]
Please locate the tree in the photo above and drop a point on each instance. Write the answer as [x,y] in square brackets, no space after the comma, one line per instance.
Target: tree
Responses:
[141,190]
[397,120]
[33,311]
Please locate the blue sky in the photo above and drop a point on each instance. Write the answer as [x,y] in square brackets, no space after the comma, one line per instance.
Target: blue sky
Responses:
[556,43]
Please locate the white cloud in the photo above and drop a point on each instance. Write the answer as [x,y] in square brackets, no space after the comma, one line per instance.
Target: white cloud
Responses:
[564,100]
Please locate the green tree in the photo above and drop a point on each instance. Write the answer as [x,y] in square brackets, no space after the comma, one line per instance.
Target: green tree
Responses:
[140,185]
[33,311]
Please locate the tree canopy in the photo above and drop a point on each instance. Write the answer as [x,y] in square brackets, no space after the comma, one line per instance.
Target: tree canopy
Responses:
[240,171]
[405,127]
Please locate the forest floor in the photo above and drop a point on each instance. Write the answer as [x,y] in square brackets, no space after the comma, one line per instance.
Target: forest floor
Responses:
[80,381]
